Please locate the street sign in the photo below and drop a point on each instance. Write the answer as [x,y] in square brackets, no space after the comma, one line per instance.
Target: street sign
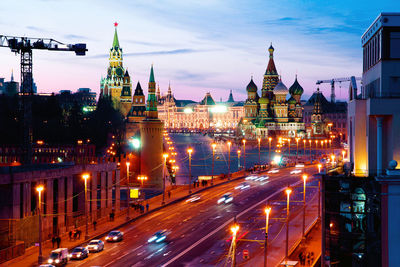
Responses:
[134,193]
[245,254]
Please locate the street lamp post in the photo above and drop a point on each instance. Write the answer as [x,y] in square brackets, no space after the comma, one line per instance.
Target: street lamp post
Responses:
[85,177]
[309,141]
[304,149]
[269,150]
[238,152]
[165,156]
[289,147]
[244,153]
[190,150]
[288,191]
[316,147]
[267,211]
[343,153]
[128,195]
[229,160]
[304,203]
[297,148]
[212,168]
[259,150]
[39,189]
[234,230]
[142,178]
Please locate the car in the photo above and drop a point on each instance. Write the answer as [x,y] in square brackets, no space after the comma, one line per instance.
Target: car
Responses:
[243,186]
[226,198]
[273,171]
[193,198]
[295,172]
[158,236]
[58,257]
[252,177]
[262,178]
[114,236]
[78,253]
[299,165]
[47,265]
[95,246]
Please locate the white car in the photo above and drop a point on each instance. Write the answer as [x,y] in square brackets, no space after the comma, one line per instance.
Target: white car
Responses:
[273,171]
[299,165]
[193,198]
[95,246]
[226,198]
[263,178]
[243,186]
[295,172]
[250,178]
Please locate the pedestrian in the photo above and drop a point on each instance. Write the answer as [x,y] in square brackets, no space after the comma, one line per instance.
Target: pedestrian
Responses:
[301,258]
[53,240]
[308,259]
[198,183]
[94,225]
[112,215]
[58,240]
[79,234]
[75,234]
[70,235]
[147,207]
[312,257]
[169,194]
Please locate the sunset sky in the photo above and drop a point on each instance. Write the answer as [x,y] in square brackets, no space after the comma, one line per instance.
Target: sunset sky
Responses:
[198,46]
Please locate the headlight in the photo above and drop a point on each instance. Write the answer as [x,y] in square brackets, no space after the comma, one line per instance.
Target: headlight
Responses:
[50,261]
[57,260]
[221,200]
[160,239]
[69,255]
[107,237]
[79,254]
[96,247]
[151,239]
[115,237]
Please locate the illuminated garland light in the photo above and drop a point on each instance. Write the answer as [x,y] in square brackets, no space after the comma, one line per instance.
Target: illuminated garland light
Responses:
[219,109]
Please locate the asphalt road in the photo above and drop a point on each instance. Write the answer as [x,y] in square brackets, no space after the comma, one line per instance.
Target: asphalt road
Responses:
[199,231]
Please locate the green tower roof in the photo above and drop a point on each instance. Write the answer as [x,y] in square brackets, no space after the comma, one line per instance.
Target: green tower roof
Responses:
[151,75]
[116,42]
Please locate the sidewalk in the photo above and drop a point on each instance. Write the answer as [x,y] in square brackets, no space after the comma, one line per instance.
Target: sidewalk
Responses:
[178,193]
[311,245]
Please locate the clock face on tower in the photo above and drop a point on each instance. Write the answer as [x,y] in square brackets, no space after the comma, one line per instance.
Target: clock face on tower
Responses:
[119,71]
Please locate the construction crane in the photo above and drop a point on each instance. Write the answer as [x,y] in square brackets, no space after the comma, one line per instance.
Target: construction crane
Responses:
[337,80]
[24,46]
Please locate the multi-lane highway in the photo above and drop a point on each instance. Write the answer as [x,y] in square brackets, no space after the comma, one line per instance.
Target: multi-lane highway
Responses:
[199,231]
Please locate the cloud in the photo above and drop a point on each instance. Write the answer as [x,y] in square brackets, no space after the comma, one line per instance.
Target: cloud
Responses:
[74,36]
[152,53]
[36,29]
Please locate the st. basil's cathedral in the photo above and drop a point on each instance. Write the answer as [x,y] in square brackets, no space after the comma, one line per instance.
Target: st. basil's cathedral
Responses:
[273,114]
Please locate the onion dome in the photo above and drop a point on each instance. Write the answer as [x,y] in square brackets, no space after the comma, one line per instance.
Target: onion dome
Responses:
[280,89]
[296,88]
[292,100]
[251,87]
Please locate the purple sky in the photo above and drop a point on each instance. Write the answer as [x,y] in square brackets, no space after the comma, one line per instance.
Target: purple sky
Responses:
[198,46]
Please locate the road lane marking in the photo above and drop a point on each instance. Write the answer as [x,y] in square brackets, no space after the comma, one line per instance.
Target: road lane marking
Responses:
[223,226]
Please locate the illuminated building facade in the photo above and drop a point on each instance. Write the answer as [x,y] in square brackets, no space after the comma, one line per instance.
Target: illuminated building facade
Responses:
[117,84]
[278,111]
[206,115]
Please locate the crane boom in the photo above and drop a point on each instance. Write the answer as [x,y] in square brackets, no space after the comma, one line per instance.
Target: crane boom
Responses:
[24,46]
[337,80]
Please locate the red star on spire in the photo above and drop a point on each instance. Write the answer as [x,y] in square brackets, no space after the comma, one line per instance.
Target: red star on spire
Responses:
[115,24]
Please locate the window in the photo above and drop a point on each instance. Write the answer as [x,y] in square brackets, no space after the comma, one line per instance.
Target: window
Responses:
[395,45]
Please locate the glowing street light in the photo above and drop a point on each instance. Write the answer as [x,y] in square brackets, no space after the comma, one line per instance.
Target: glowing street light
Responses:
[234,230]
[297,147]
[309,141]
[343,153]
[267,212]
[304,148]
[244,153]
[259,150]
[319,167]
[190,151]
[269,150]
[229,159]
[85,177]
[142,178]
[238,153]
[304,202]
[289,146]
[213,145]
[39,189]
[288,192]
[165,156]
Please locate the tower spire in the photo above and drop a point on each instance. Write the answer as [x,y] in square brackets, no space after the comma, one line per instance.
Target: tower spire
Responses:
[12,75]
[151,97]
[151,80]
[116,42]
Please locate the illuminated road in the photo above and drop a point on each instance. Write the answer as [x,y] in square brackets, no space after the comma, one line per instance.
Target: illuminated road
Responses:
[195,227]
